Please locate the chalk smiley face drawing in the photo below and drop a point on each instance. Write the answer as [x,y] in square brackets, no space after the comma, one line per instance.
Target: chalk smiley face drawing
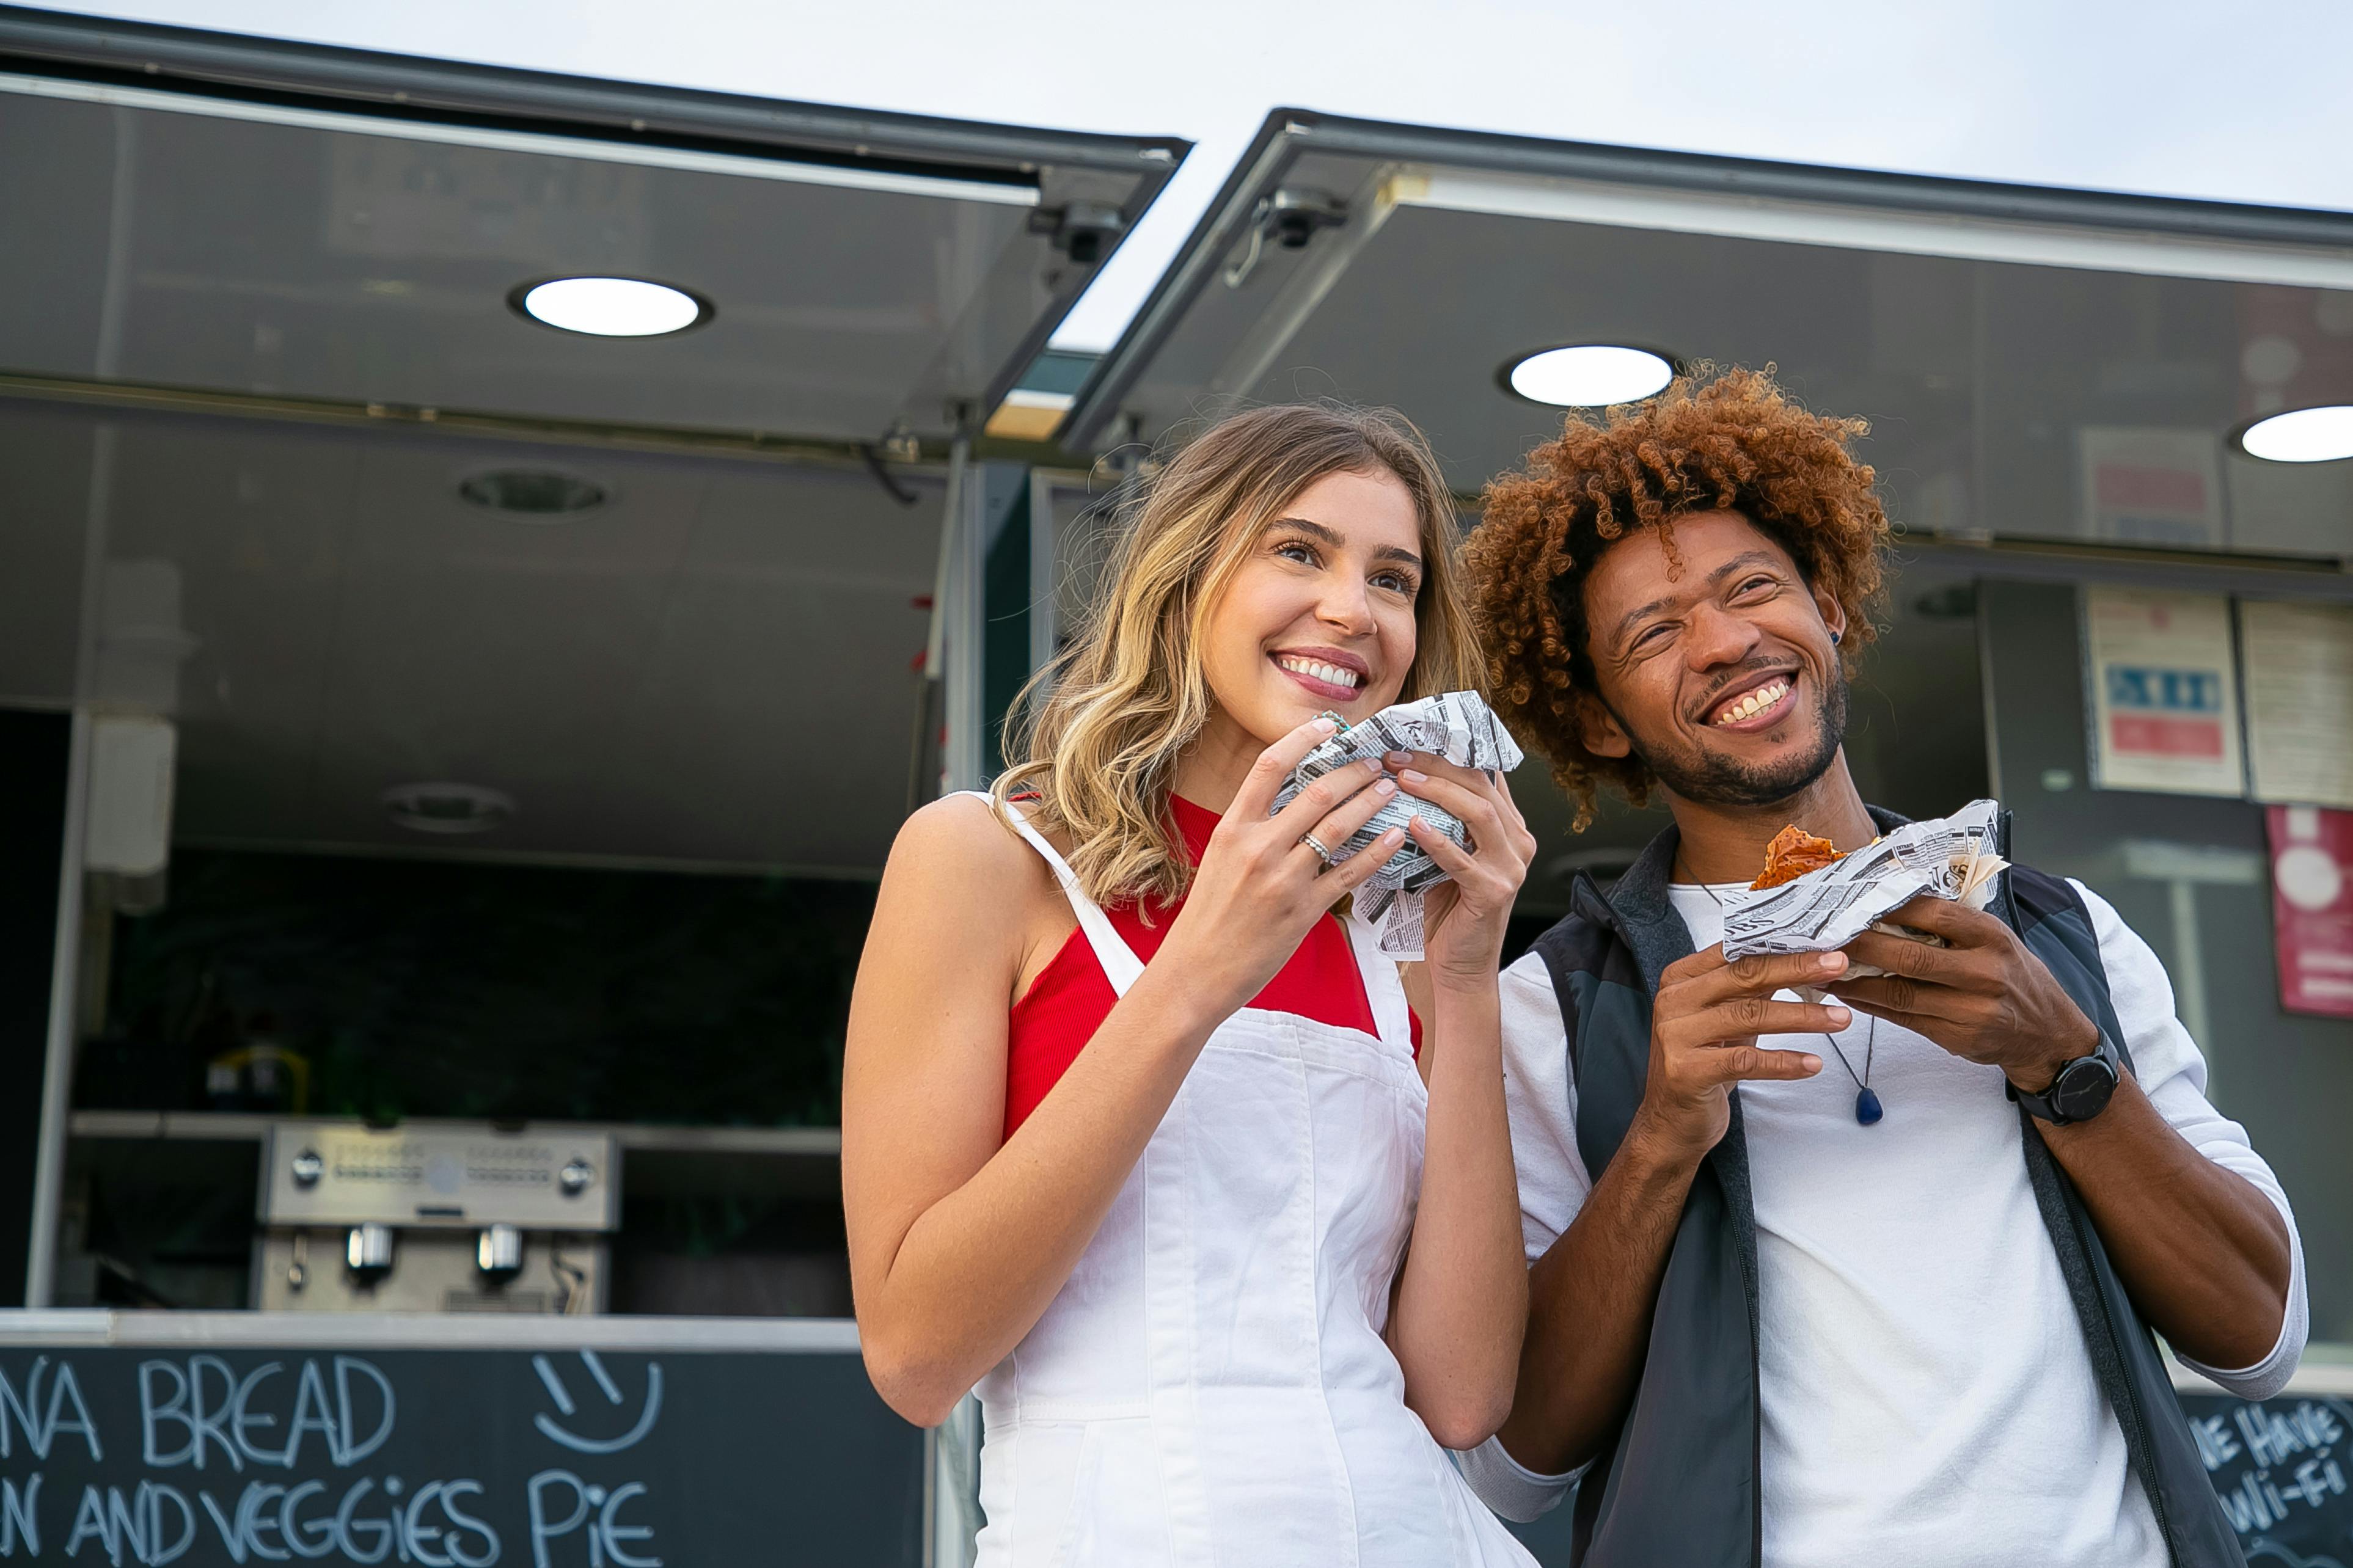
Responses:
[567,1406]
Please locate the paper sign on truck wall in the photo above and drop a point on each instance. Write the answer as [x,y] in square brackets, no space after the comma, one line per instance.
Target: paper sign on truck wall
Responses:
[2151,485]
[2163,692]
[2299,661]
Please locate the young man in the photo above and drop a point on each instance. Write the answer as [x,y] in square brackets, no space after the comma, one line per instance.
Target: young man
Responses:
[1761,1329]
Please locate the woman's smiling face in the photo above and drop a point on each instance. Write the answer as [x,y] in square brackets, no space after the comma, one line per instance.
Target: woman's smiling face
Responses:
[1320,615]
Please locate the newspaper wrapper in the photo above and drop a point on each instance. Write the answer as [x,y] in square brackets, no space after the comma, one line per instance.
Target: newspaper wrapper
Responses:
[1456,725]
[1951,858]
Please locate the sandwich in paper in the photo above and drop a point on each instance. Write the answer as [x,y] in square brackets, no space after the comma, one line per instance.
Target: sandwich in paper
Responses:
[1836,898]
[1456,725]
[1794,853]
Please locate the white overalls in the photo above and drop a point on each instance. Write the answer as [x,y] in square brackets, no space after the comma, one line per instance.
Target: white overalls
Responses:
[1210,1386]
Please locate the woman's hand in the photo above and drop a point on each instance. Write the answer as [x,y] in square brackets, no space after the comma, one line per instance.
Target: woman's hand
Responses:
[1461,1297]
[1259,888]
[1463,919]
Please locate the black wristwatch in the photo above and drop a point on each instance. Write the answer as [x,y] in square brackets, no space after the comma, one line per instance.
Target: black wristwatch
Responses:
[2081,1091]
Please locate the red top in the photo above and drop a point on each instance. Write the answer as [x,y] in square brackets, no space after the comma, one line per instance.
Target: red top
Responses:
[1072,997]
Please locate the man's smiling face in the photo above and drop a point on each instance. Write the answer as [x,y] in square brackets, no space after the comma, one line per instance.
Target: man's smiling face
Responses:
[1721,675]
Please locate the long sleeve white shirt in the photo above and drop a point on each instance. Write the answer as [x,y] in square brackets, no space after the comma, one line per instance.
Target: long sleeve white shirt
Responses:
[1927,1396]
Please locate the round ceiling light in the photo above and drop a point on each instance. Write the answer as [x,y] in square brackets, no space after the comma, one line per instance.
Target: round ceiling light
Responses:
[537,493]
[1589,375]
[2302,435]
[611,307]
[446,807]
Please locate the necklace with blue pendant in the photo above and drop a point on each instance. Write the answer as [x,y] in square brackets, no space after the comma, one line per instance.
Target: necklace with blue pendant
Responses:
[1867,1109]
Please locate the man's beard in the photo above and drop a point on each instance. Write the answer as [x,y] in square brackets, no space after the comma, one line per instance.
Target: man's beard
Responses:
[1712,779]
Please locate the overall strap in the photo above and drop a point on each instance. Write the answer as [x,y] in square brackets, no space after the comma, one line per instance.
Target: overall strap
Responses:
[1120,964]
[1384,989]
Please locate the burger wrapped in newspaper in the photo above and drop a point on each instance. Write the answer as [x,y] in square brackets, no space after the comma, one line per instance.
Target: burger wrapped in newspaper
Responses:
[1812,899]
[1456,725]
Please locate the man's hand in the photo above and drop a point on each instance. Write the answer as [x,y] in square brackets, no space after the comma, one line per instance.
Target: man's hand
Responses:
[1592,1294]
[1984,996]
[1704,1029]
[2205,1256]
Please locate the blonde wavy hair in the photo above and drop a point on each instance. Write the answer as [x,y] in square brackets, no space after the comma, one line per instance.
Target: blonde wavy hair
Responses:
[1127,695]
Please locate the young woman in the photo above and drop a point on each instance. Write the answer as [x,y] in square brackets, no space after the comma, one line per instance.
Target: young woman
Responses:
[1137,1133]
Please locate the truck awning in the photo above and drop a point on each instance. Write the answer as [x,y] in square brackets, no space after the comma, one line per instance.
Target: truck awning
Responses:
[251,214]
[2036,364]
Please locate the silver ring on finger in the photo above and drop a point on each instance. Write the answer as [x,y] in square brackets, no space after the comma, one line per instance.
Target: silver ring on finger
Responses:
[1317,845]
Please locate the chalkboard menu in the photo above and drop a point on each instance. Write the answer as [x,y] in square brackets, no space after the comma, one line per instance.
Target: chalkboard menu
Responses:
[2284,1469]
[452,1458]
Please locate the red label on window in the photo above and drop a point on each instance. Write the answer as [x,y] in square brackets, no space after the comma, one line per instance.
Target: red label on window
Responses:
[2312,907]
[2122,485]
[2142,734]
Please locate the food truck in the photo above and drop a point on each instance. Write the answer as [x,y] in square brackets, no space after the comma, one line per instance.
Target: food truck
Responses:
[493,557]
[456,721]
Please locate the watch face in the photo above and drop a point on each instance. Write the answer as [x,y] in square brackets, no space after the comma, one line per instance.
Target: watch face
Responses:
[2083,1091]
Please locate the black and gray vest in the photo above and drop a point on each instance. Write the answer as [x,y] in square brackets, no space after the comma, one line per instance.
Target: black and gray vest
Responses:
[1679,1481]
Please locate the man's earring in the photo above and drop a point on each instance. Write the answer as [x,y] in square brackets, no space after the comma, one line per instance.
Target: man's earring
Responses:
[1834,640]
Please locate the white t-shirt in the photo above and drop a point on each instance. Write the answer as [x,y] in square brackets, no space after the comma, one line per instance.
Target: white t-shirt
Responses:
[1927,1396]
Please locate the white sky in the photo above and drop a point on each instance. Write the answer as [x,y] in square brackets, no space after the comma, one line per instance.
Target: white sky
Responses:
[2245,102]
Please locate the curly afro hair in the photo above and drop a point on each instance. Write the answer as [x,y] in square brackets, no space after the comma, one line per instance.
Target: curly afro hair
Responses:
[1724,441]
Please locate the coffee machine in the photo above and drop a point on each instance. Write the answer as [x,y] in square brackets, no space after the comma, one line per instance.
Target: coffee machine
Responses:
[436,1217]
